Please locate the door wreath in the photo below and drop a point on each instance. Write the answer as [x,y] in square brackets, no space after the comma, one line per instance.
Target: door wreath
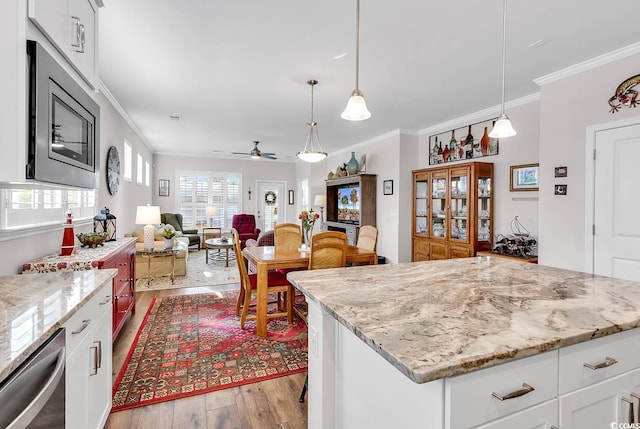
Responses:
[270,198]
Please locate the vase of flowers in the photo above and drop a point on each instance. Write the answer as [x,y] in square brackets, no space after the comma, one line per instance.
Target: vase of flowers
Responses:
[308,219]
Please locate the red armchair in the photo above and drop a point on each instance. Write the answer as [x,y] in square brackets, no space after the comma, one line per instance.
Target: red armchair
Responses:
[245,224]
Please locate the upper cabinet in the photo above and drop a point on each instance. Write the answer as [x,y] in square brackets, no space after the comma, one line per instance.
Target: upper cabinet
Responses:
[452,210]
[71,25]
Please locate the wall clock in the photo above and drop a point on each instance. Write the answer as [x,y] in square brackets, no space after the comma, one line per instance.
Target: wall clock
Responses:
[113,170]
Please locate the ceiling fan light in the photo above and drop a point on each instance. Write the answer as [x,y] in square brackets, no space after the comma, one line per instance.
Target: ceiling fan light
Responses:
[356,109]
[255,156]
[502,128]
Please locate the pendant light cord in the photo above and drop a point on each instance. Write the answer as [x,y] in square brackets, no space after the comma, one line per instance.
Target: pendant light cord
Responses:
[504,47]
[357,45]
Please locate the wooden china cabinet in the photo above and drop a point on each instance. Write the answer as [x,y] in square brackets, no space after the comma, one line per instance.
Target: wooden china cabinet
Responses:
[452,211]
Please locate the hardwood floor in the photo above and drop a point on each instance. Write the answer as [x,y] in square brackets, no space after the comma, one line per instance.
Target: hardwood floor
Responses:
[263,405]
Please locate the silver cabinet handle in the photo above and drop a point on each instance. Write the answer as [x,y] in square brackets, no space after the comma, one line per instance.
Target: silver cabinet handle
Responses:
[41,399]
[94,370]
[78,34]
[85,323]
[630,402]
[526,389]
[106,301]
[607,362]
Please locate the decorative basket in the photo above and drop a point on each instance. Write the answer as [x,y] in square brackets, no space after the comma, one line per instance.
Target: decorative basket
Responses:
[92,239]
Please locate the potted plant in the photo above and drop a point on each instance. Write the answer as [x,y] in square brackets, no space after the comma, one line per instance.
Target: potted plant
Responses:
[168,234]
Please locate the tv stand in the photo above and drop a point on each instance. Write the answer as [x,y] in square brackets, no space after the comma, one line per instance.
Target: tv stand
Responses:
[366,199]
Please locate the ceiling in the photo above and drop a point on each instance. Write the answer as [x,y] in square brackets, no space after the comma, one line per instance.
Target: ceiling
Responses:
[237,71]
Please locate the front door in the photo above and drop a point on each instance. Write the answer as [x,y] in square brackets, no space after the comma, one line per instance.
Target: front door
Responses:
[616,243]
[270,204]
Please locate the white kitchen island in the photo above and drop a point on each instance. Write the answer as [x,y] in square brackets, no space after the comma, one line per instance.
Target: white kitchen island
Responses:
[424,345]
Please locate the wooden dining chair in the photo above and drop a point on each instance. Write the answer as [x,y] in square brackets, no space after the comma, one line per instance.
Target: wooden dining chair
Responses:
[287,236]
[367,238]
[328,250]
[277,282]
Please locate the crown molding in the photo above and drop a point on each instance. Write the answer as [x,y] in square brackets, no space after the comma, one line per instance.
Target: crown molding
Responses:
[109,96]
[491,112]
[589,64]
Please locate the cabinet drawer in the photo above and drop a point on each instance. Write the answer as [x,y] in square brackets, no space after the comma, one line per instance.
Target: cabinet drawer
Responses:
[90,312]
[621,347]
[469,400]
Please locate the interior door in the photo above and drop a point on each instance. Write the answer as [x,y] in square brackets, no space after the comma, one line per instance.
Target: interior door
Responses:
[270,204]
[616,203]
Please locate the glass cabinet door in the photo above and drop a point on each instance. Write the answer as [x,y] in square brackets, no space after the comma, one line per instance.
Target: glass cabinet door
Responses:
[421,207]
[439,206]
[459,207]
[484,208]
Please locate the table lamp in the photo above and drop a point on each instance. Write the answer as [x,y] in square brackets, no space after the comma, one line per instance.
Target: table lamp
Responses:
[320,201]
[211,212]
[147,216]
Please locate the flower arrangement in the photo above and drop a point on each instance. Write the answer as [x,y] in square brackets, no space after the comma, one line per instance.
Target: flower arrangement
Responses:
[308,219]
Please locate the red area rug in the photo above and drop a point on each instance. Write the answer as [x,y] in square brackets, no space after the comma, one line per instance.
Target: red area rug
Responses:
[192,344]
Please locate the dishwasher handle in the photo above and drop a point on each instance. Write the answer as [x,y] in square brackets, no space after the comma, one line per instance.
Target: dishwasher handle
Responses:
[41,398]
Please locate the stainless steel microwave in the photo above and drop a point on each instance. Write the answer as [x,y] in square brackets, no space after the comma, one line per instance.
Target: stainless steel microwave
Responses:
[64,124]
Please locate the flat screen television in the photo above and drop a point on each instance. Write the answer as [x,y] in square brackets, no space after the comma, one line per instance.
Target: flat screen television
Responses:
[348,199]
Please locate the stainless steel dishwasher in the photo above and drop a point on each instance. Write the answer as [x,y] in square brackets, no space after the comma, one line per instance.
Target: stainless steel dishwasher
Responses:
[32,396]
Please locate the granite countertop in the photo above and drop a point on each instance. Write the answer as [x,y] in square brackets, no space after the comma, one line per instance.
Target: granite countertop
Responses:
[439,319]
[34,306]
[83,258]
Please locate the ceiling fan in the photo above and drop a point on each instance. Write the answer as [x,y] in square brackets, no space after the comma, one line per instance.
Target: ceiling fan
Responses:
[255,152]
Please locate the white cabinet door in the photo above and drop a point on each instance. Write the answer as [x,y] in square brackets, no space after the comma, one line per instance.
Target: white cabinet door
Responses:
[71,25]
[99,380]
[84,57]
[88,365]
[601,404]
[542,416]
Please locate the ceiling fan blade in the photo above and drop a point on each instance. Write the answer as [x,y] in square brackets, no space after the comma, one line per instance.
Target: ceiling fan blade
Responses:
[269,155]
[240,153]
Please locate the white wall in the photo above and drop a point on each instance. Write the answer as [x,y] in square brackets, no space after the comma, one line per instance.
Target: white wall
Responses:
[165,167]
[568,107]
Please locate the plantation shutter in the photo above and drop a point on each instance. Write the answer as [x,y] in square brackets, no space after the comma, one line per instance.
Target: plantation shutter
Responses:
[199,190]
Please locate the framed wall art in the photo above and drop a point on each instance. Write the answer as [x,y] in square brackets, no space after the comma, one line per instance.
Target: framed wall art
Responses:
[387,187]
[561,171]
[291,197]
[524,177]
[560,190]
[163,188]
[463,144]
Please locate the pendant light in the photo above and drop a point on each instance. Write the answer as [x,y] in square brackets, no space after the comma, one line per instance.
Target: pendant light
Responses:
[502,128]
[312,150]
[356,109]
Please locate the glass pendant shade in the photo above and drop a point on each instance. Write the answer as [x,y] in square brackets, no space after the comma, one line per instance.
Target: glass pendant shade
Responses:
[502,128]
[310,154]
[356,109]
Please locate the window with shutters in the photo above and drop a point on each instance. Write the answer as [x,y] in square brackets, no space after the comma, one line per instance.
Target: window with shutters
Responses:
[28,208]
[199,190]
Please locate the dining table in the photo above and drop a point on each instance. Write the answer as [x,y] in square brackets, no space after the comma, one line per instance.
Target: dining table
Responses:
[267,258]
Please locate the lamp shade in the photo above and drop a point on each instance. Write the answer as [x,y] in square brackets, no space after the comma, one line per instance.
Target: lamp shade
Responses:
[147,215]
[320,200]
[502,128]
[356,109]
[212,211]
